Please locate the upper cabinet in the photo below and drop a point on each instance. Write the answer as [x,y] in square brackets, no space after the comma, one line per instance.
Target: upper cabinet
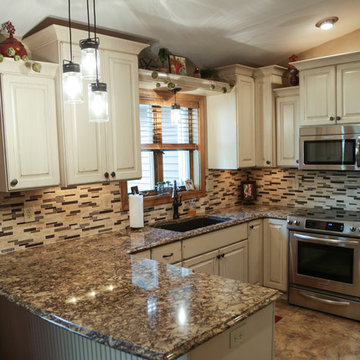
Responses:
[231,122]
[29,151]
[329,89]
[287,126]
[93,152]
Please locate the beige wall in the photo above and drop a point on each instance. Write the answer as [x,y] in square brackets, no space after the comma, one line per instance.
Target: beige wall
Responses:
[343,44]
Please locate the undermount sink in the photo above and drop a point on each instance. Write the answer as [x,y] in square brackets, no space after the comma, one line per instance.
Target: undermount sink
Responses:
[191,224]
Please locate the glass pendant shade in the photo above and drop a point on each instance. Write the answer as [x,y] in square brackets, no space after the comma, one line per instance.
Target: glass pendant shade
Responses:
[98,102]
[88,58]
[175,114]
[72,84]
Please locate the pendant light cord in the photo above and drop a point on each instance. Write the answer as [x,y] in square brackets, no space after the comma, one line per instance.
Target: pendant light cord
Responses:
[88,17]
[96,50]
[70,35]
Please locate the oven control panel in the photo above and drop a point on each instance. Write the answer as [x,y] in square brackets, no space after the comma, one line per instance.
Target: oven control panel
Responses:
[324,225]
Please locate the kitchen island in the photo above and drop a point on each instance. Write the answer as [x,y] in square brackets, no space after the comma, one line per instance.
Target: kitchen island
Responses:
[121,304]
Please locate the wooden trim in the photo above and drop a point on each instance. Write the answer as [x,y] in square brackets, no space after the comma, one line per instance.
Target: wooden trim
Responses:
[169,147]
[124,196]
[82,26]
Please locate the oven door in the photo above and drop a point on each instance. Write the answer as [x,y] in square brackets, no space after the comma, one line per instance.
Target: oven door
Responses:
[330,152]
[325,262]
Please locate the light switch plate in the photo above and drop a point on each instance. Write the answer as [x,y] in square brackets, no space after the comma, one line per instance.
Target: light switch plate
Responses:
[238,335]
[29,213]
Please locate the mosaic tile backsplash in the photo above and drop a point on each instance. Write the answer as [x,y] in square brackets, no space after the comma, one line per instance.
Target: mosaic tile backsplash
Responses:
[69,213]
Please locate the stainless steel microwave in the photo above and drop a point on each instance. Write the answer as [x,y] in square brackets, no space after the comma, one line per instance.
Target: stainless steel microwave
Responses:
[334,147]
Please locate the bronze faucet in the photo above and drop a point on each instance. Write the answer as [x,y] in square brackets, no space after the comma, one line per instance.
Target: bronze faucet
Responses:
[176,201]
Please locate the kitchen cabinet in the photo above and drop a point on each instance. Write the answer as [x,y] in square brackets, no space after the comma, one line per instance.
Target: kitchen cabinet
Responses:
[275,254]
[266,80]
[93,152]
[206,263]
[233,262]
[255,245]
[287,126]
[29,152]
[328,88]
[231,122]
[167,254]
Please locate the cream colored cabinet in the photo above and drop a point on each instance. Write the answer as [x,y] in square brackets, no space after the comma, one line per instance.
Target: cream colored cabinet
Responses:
[255,245]
[275,254]
[97,152]
[266,80]
[231,122]
[233,262]
[287,126]
[29,154]
[206,263]
[317,94]
[168,254]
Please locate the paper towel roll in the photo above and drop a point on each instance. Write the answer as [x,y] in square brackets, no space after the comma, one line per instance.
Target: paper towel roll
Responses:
[136,211]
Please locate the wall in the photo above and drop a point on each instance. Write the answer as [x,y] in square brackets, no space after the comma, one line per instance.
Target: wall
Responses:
[347,43]
[70,213]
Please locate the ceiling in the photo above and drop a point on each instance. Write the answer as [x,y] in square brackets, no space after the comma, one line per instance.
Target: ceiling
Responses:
[209,32]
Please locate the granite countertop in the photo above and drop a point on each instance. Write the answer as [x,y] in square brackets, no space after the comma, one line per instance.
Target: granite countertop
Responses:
[94,287]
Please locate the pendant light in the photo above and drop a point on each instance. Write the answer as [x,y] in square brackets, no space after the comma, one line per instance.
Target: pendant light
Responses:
[97,92]
[175,110]
[88,53]
[71,77]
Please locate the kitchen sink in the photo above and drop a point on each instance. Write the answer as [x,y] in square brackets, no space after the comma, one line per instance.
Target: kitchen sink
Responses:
[191,224]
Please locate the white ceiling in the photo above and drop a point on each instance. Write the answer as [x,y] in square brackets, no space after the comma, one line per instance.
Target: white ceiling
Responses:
[209,32]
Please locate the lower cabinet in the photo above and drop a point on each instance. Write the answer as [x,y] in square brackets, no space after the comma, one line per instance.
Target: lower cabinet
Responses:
[205,263]
[275,254]
[167,254]
[255,240]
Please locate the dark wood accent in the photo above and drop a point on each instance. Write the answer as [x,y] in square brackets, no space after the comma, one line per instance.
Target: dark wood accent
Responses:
[124,195]
[169,147]
[83,26]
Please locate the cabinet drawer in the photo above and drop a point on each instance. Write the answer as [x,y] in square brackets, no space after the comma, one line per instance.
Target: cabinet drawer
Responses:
[168,254]
[213,240]
[143,254]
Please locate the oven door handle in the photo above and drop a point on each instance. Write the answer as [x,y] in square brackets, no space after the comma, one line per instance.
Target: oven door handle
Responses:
[329,241]
[357,152]
[325,301]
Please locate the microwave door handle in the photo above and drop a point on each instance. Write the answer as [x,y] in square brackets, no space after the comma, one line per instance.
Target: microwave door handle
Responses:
[357,152]
[329,241]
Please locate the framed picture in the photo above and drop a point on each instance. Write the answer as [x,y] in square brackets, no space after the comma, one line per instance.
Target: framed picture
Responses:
[248,191]
[177,65]
[189,185]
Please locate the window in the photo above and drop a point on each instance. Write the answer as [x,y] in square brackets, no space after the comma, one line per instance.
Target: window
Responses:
[169,150]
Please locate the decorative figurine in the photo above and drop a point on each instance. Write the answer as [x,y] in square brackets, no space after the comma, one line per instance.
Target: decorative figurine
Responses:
[11,47]
[294,79]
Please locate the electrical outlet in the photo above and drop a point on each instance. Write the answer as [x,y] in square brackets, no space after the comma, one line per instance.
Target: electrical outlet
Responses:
[105,201]
[238,335]
[29,213]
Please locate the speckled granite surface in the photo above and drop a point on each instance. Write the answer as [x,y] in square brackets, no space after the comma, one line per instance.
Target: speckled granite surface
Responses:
[94,287]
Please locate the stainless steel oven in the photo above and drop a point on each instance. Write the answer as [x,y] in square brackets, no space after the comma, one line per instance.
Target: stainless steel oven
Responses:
[324,264]
[334,147]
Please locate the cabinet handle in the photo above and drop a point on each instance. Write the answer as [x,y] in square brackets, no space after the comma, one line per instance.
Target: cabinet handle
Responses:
[14,182]
[168,256]
[338,118]
[222,255]
[218,256]
[251,226]
[113,174]
[331,118]
[268,162]
[106,175]
[297,161]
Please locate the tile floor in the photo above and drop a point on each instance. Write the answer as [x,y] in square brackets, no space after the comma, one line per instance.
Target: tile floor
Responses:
[304,334]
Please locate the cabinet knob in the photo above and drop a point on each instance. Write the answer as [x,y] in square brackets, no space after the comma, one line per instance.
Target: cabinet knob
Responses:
[331,118]
[222,255]
[14,182]
[338,118]
[251,226]
[268,162]
[297,161]
[113,174]
[106,175]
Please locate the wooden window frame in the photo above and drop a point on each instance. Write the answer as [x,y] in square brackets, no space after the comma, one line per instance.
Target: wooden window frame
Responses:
[166,98]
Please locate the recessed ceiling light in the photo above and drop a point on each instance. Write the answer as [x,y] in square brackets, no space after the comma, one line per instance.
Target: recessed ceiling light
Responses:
[327,23]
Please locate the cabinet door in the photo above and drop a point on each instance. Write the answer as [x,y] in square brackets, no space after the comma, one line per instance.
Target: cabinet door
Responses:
[83,143]
[234,261]
[287,123]
[245,121]
[123,130]
[206,263]
[275,254]
[30,134]
[317,96]
[255,244]
[348,89]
